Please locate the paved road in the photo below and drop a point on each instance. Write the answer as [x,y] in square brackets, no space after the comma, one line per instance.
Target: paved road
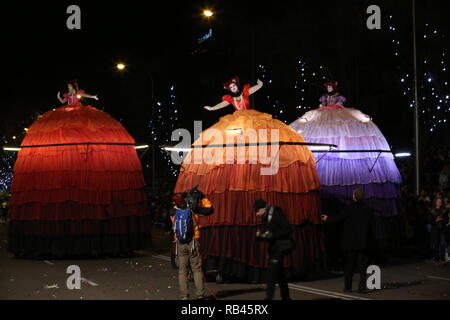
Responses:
[150,276]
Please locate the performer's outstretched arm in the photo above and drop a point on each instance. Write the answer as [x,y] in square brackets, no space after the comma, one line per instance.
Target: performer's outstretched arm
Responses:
[253,89]
[218,106]
[85,95]
[61,99]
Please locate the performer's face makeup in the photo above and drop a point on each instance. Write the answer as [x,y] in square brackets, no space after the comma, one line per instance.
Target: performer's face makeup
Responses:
[69,86]
[329,88]
[234,88]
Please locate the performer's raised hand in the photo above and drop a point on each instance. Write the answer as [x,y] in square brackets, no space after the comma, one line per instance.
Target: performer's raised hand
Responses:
[208,108]
[256,87]
[59,95]
[95,97]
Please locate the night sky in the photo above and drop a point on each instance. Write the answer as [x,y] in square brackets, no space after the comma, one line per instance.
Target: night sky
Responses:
[160,37]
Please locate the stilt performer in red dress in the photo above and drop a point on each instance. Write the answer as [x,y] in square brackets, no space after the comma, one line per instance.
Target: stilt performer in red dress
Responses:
[77,188]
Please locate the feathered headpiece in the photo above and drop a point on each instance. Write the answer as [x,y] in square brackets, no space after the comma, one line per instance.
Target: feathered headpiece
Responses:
[235,80]
[333,84]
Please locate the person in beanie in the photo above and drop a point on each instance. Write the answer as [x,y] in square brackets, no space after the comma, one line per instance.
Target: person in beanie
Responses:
[188,249]
[276,230]
[357,238]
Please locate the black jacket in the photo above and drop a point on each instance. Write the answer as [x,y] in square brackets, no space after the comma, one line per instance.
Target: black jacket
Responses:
[358,226]
[278,228]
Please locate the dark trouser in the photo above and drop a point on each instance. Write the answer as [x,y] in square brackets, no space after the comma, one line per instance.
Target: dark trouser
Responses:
[355,259]
[275,273]
[439,245]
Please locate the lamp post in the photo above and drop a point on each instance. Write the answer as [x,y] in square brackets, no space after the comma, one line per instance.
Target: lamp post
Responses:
[416,102]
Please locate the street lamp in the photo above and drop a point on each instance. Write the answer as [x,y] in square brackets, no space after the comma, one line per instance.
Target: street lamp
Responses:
[208,13]
[120,66]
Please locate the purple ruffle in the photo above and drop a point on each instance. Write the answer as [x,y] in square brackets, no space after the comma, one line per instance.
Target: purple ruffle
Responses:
[345,122]
[356,171]
[383,207]
[386,190]
[354,143]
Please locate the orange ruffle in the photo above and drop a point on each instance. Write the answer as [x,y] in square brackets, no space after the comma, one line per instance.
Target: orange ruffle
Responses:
[236,207]
[246,126]
[296,178]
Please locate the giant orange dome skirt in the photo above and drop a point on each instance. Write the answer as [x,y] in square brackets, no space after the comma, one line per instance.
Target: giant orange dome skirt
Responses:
[77,187]
[232,179]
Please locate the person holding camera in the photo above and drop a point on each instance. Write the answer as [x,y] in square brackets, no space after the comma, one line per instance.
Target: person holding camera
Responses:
[276,230]
[358,237]
[189,207]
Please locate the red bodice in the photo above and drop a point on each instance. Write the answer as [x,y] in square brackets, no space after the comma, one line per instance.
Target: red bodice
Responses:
[244,103]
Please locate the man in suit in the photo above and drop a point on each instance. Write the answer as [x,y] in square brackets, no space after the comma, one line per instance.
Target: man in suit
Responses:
[276,230]
[357,238]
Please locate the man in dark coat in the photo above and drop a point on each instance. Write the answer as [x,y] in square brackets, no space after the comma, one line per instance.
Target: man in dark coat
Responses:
[357,238]
[277,231]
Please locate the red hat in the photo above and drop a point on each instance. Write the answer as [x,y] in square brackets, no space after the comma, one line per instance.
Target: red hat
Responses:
[236,80]
[178,199]
[331,83]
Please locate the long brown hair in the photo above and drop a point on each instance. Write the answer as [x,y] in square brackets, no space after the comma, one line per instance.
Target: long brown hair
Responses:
[74,84]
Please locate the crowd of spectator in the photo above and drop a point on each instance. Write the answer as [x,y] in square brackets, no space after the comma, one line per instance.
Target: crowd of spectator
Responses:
[425,218]
[161,200]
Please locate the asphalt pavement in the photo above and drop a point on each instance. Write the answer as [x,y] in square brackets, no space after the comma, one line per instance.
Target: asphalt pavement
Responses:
[149,276]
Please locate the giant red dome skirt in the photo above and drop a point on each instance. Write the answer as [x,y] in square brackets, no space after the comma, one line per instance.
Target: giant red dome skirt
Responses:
[228,241]
[77,188]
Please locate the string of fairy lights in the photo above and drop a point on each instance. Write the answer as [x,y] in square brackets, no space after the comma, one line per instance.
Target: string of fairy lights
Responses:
[166,120]
[7,160]
[434,96]
[277,110]
[308,87]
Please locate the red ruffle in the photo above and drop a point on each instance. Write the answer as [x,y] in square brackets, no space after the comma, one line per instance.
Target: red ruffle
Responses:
[235,207]
[78,157]
[239,244]
[121,225]
[76,123]
[296,178]
[79,196]
[77,182]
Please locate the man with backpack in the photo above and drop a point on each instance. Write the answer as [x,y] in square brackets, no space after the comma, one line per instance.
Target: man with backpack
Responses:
[277,231]
[189,206]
